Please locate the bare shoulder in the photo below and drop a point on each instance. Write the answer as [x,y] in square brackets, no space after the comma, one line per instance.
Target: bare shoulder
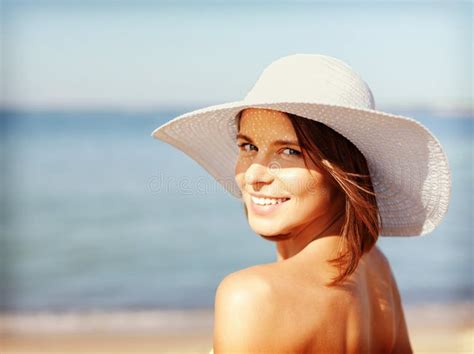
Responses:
[244,288]
[246,282]
[401,342]
[245,313]
[380,257]
[256,309]
[384,265]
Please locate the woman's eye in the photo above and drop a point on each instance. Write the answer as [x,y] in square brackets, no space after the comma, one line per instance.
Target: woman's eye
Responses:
[292,152]
[243,146]
[247,147]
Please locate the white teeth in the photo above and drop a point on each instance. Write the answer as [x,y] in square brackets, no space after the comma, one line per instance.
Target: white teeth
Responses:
[267,201]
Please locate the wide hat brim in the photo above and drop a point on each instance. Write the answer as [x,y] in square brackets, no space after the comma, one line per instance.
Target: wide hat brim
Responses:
[408,166]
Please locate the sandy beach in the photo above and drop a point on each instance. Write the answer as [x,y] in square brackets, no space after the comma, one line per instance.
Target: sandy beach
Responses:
[434,328]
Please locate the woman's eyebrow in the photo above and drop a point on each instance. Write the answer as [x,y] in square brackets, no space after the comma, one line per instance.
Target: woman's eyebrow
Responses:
[243,136]
[276,142]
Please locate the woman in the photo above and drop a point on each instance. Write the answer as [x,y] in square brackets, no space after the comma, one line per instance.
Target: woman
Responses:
[322,174]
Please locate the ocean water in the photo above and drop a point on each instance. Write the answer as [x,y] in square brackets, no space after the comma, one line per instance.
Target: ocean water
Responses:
[96,214]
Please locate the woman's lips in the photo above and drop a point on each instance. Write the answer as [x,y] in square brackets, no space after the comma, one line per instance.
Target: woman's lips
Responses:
[265,209]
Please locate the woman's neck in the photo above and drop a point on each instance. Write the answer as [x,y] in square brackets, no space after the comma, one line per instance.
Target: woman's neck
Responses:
[322,235]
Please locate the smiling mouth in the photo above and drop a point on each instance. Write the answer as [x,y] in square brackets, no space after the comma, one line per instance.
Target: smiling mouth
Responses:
[266,206]
[268,201]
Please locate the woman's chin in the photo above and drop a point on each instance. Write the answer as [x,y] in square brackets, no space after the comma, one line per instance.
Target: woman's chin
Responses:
[265,227]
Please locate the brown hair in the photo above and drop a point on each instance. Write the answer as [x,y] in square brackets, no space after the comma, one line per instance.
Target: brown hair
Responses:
[349,172]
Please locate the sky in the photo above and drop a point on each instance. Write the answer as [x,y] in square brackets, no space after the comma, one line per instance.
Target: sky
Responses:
[143,54]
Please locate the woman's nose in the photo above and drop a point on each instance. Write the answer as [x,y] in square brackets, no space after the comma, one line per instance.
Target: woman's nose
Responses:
[258,172]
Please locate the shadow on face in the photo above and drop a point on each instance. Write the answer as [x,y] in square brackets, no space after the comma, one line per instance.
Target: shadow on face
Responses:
[280,190]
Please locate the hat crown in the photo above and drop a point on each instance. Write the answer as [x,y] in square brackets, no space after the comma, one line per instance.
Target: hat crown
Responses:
[311,78]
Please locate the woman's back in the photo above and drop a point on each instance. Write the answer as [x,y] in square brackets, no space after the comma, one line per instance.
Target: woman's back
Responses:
[362,316]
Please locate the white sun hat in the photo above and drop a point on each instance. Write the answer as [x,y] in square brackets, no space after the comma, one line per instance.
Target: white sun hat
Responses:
[408,166]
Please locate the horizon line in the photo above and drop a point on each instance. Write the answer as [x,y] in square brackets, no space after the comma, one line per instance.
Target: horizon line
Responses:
[463,109]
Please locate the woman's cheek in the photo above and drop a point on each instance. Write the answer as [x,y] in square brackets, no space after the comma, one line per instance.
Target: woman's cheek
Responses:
[299,182]
[239,179]
[239,172]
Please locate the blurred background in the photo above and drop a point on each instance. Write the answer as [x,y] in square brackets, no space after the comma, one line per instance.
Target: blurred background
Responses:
[106,230]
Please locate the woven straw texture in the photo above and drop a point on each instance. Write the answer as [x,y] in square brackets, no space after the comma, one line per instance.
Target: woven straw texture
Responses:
[408,166]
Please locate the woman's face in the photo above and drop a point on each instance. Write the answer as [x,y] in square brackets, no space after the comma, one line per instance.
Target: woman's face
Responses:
[268,167]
